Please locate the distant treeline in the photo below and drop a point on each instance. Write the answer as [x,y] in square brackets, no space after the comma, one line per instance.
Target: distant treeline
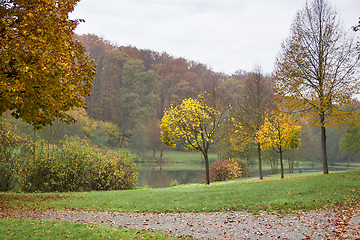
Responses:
[133,87]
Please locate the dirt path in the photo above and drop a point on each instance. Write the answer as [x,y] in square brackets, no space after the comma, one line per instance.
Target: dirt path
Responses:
[320,224]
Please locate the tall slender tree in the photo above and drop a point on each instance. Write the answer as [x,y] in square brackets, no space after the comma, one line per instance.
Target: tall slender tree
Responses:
[316,72]
[256,100]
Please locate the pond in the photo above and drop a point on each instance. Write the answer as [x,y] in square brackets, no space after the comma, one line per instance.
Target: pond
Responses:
[184,167]
[156,178]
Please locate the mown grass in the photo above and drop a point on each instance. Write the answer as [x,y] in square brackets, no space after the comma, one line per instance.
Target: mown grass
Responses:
[26,229]
[296,193]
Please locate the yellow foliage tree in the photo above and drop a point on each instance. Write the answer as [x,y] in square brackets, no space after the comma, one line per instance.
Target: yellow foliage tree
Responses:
[193,124]
[44,72]
[317,70]
[279,132]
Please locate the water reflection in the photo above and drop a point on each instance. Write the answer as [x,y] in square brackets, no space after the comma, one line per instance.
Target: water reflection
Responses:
[162,178]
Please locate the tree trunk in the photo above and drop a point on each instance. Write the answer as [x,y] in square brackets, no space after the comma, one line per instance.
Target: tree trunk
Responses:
[207,169]
[160,159]
[281,163]
[323,147]
[259,158]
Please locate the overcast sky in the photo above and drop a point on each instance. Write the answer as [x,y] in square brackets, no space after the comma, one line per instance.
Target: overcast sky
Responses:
[226,35]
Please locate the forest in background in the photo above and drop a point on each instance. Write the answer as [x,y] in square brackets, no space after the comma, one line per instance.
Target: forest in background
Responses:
[133,87]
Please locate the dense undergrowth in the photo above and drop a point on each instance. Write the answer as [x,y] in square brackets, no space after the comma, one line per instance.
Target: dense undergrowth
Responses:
[74,166]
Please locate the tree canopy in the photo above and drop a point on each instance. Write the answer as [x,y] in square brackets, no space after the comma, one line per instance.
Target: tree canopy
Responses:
[194,124]
[43,71]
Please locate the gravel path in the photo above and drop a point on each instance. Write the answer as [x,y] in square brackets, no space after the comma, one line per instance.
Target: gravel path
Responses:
[319,224]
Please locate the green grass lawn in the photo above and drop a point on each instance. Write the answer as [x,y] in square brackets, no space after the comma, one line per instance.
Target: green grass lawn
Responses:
[273,177]
[296,193]
[26,229]
[315,166]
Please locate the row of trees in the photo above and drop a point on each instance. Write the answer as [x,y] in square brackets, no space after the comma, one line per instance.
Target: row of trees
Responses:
[196,125]
[316,78]
[317,71]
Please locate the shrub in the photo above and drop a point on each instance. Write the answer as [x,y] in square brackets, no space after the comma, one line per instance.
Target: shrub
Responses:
[75,166]
[10,143]
[244,166]
[112,174]
[223,170]
[174,183]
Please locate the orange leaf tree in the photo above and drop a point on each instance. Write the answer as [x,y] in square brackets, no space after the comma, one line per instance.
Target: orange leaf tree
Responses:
[279,132]
[43,71]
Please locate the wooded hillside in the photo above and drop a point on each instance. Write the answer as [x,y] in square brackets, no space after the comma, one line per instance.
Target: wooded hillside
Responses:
[133,87]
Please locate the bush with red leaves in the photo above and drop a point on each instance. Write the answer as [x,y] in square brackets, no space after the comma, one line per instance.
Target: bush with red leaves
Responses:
[223,170]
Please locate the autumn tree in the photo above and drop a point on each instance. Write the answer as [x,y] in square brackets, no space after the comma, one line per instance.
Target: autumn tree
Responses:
[279,132]
[194,124]
[250,110]
[316,72]
[175,81]
[43,71]
[95,46]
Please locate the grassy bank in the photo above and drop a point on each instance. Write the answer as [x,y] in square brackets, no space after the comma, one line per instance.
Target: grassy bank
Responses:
[297,193]
[26,229]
